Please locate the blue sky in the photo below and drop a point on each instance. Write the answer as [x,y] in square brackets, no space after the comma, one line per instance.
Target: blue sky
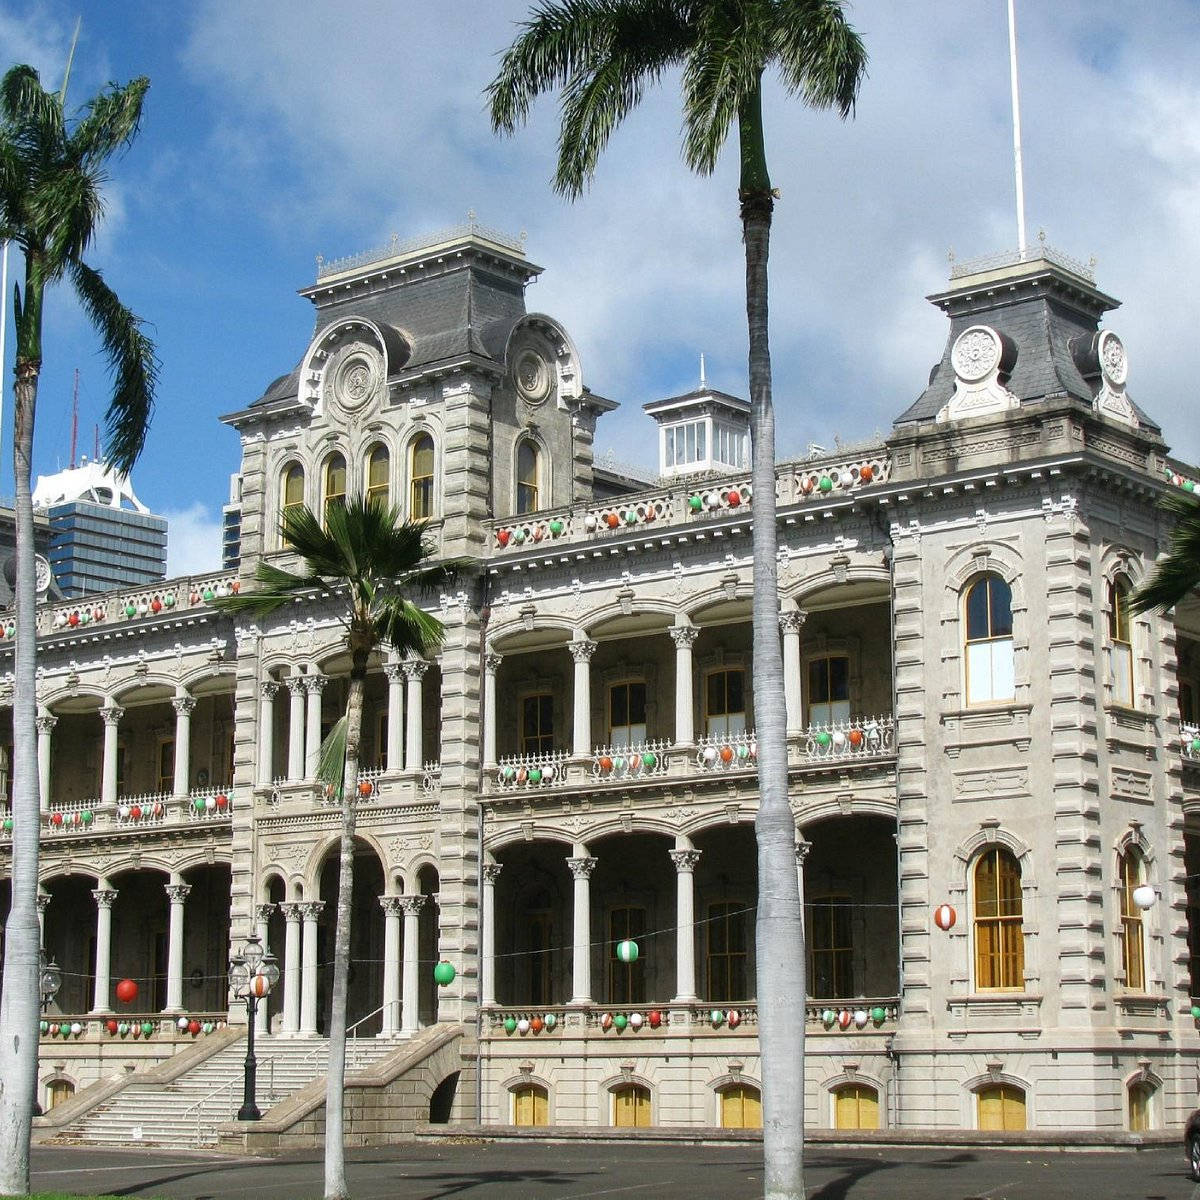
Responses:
[276,131]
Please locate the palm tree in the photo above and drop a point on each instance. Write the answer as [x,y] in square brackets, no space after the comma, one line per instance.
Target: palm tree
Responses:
[601,54]
[367,556]
[1178,573]
[51,175]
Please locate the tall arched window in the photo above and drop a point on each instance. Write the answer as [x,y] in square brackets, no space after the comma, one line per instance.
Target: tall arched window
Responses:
[999,945]
[528,477]
[1133,952]
[1120,643]
[420,495]
[291,491]
[1141,1106]
[334,482]
[988,646]
[379,463]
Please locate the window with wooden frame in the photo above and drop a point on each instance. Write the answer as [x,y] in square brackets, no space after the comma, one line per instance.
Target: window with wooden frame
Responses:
[631,1106]
[1141,1099]
[529,469]
[537,723]
[831,953]
[166,765]
[725,951]
[333,483]
[627,713]
[828,689]
[1120,643]
[855,1106]
[999,941]
[291,492]
[378,473]
[988,645]
[741,1106]
[420,477]
[531,1105]
[1000,1106]
[1133,950]
[626,981]
[725,702]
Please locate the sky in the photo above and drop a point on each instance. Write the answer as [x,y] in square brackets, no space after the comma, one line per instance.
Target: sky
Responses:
[285,129]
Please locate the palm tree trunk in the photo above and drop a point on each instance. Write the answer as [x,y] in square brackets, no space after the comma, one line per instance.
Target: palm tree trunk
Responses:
[335,1081]
[779,933]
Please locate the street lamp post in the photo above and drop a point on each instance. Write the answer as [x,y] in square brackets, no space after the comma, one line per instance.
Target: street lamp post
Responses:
[252,974]
[49,981]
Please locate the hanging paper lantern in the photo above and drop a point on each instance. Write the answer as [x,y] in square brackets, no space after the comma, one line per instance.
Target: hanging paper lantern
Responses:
[695,503]
[839,739]
[365,787]
[556,527]
[823,739]
[127,991]
[73,620]
[111,1026]
[866,473]
[44,1026]
[222,801]
[734,497]
[743,751]
[1196,1012]
[136,1030]
[861,1017]
[182,1024]
[208,593]
[649,760]
[8,824]
[654,1017]
[551,1021]
[635,1021]
[147,1027]
[158,808]
[131,610]
[726,754]
[649,513]
[618,763]
[548,772]
[620,1021]
[66,1029]
[443,973]
[84,617]
[589,522]
[156,606]
[844,1018]
[54,1028]
[717,1017]
[260,986]
[123,812]
[135,812]
[169,600]
[87,816]
[535,775]
[635,763]
[123,1028]
[630,516]
[523,1026]
[944,917]
[612,520]
[98,615]
[1196,745]
[198,804]
[733,1018]
[825,484]
[855,737]
[627,951]
[210,803]
[1144,896]
[536,1025]
[606,1021]
[56,819]
[879,1014]
[207,1027]
[143,609]
[709,756]
[518,536]
[510,1025]
[194,1027]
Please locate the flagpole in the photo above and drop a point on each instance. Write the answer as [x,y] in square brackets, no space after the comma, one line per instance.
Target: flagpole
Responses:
[1016,112]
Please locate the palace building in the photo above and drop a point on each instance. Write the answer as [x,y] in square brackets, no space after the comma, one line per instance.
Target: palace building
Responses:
[979,731]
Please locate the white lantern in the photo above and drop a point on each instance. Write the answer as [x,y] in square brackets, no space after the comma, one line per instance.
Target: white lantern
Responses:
[523,1025]
[182,1024]
[861,1017]
[1144,896]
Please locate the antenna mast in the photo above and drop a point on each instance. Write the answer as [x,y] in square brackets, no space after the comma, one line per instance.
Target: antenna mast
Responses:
[1016,111]
[74,417]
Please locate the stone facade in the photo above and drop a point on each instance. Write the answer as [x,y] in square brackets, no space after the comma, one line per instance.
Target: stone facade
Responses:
[974,720]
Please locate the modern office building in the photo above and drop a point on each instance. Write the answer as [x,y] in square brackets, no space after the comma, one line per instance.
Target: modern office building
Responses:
[994,766]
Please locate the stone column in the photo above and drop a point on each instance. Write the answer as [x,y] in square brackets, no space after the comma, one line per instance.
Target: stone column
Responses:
[45,727]
[487,959]
[267,691]
[183,704]
[684,637]
[262,914]
[582,650]
[410,1005]
[395,716]
[111,716]
[802,849]
[310,910]
[415,670]
[582,866]
[685,861]
[491,664]
[177,893]
[392,911]
[314,685]
[291,967]
[790,622]
[295,768]
[105,897]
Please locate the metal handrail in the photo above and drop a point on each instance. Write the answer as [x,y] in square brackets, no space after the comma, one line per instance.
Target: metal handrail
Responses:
[351,1034]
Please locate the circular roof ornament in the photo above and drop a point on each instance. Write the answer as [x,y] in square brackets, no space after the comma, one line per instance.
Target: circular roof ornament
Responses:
[531,373]
[43,575]
[1114,365]
[356,376]
[976,353]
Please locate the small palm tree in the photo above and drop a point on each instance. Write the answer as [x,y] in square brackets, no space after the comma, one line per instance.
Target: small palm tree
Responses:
[51,175]
[367,556]
[1178,574]
[602,54]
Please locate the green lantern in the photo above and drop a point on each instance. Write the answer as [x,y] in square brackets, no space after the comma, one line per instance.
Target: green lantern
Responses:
[695,503]
[131,610]
[550,1021]
[620,1021]
[209,593]
[648,759]
[828,1016]
[198,804]
[627,951]
[86,816]
[1196,1012]
[44,1026]
[825,484]
[147,1028]
[717,1017]
[535,775]
[443,973]
[8,824]
[556,527]
[631,517]
[510,1024]
[823,739]
[878,1014]
[1196,745]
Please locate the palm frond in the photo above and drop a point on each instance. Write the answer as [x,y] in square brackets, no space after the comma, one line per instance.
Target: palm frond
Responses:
[407,627]
[112,121]
[26,108]
[134,365]
[67,208]
[819,54]
[276,587]
[1178,573]
[331,765]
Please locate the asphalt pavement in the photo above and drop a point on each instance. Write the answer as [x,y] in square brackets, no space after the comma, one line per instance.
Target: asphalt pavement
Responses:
[546,1171]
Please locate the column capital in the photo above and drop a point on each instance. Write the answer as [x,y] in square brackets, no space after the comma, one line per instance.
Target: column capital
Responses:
[295,684]
[412,905]
[43,901]
[415,669]
[262,912]
[177,893]
[291,912]
[111,714]
[391,905]
[46,723]
[582,868]
[183,705]
[315,684]
[491,872]
[582,649]
[684,636]
[685,860]
[310,910]
[268,689]
[492,661]
[802,849]
[792,620]
[394,671]
[104,897]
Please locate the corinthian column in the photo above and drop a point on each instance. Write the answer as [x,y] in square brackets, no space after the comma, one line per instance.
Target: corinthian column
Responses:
[684,637]
[581,942]
[267,691]
[581,651]
[111,716]
[685,923]
[183,705]
[410,1004]
[392,913]
[491,664]
[415,670]
[487,966]
[310,911]
[177,894]
[105,897]
[314,685]
[45,727]
[395,716]
[790,623]
[291,967]
[295,768]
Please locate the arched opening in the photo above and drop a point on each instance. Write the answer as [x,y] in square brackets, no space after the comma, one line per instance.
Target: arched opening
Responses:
[420,478]
[69,936]
[378,473]
[1133,947]
[334,483]
[291,492]
[1000,1106]
[726,896]
[139,937]
[58,1091]
[441,1103]
[528,477]
[741,1106]
[206,919]
[631,1106]
[364,993]
[530,1105]
[427,946]
[1141,1104]
[999,940]
[855,1106]
[1120,642]
[533,924]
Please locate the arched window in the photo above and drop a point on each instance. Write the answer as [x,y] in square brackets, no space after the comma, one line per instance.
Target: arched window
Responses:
[291,491]
[420,457]
[988,646]
[531,1105]
[1001,1106]
[528,477]
[741,1107]
[1133,953]
[59,1091]
[855,1106]
[379,461]
[1120,643]
[631,1106]
[999,945]
[334,482]
[1141,1101]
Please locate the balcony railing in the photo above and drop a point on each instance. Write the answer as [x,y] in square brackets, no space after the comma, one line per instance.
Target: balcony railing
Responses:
[857,737]
[526,772]
[1189,741]
[150,810]
[640,760]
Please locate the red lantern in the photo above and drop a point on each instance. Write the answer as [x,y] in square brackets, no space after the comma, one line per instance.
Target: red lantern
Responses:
[654,1017]
[193,1026]
[866,473]
[612,520]
[222,801]
[726,754]
[855,737]
[606,1021]
[606,764]
[537,1024]
[127,991]
[502,536]
[734,497]
[734,1019]
[235,587]
[136,812]
[365,787]
[944,916]
[111,1026]
[56,819]
[844,1019]
[73,620]
[156,605]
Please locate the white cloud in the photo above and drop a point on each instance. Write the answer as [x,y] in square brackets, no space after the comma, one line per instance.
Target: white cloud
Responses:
[193,541]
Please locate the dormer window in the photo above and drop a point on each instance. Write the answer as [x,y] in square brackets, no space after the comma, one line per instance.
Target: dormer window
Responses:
[686,445]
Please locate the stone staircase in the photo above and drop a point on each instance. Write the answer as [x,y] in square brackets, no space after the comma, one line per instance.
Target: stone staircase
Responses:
[187,1111]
